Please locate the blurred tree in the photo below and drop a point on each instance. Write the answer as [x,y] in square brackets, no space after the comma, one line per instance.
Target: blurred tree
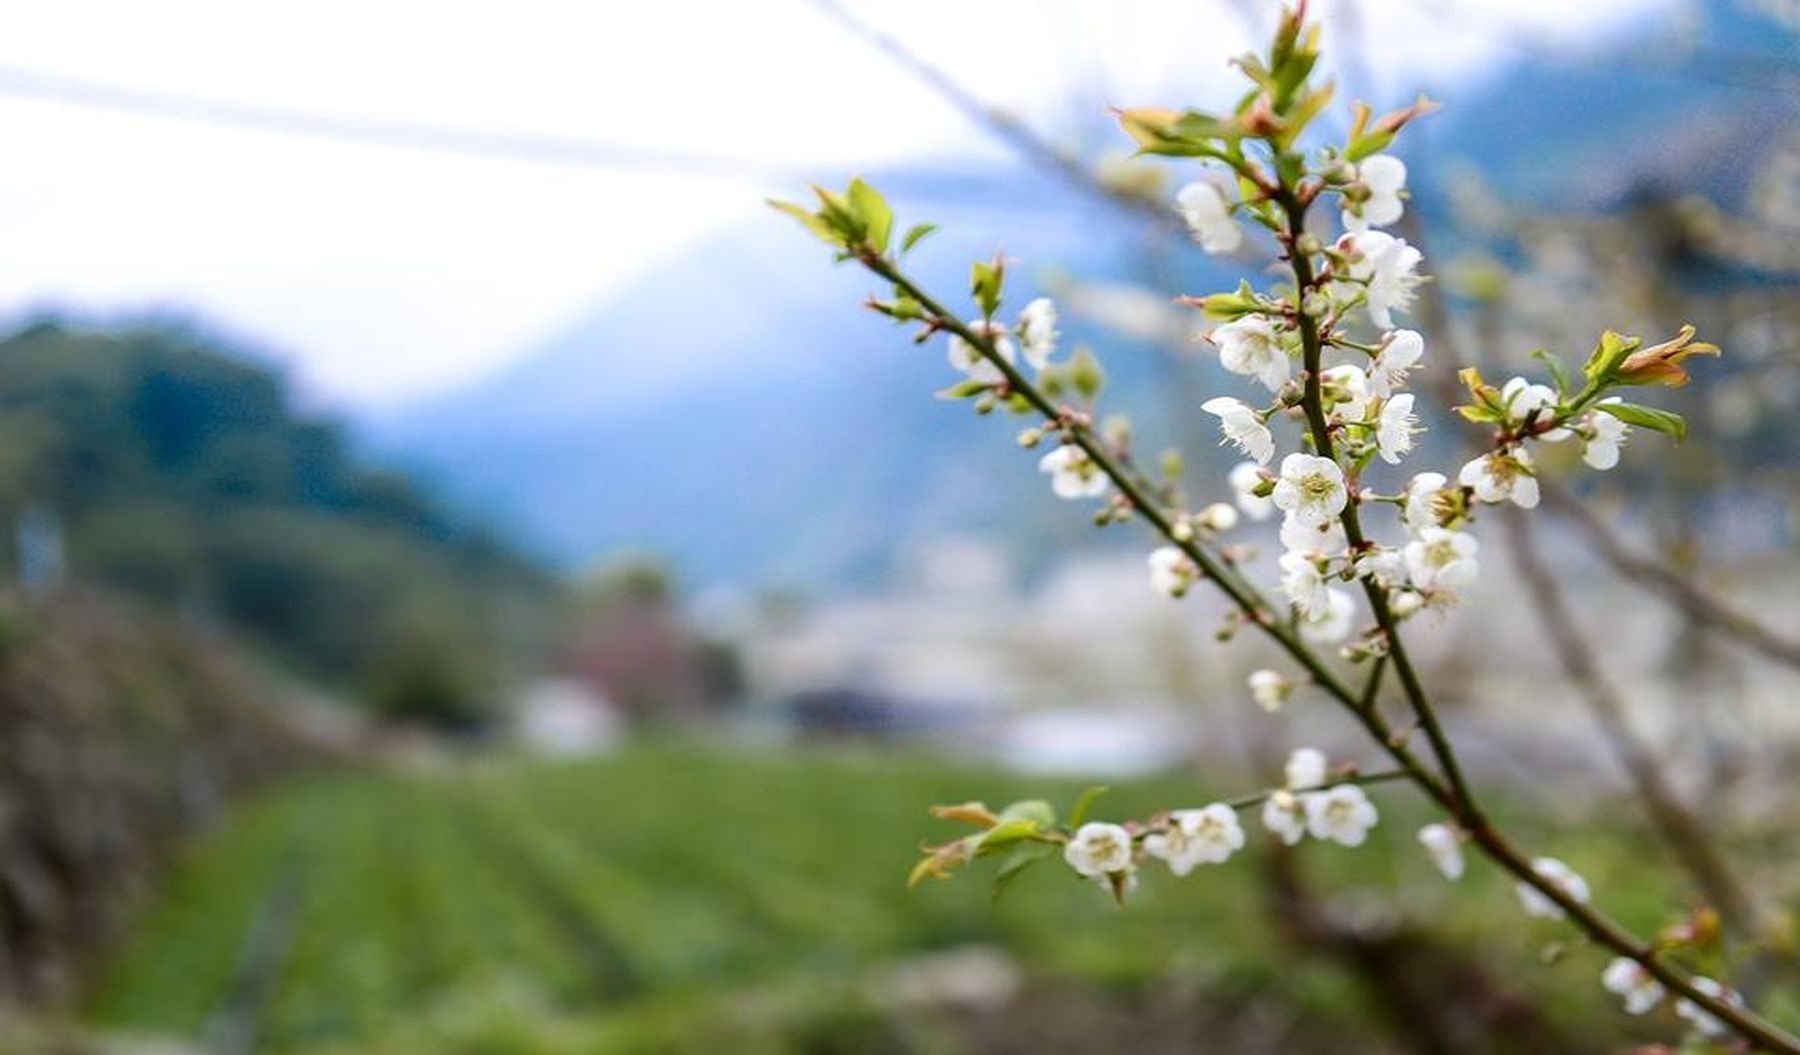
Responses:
[181,471]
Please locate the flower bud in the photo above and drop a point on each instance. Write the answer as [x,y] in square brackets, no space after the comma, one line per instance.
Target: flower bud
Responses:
[1029,438]
[1218,517]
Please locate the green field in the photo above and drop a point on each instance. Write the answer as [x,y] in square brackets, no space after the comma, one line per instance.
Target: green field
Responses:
[666,897]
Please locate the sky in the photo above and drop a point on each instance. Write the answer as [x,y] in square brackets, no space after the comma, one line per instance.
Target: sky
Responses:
[382,272]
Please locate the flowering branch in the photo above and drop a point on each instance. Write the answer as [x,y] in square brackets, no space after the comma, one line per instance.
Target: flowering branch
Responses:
[1351,417]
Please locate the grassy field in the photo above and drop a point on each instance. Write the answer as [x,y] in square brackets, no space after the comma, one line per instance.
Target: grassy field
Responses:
[660,899]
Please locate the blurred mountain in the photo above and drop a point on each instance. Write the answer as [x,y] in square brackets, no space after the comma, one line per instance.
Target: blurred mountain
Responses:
[738,413]
[166,462]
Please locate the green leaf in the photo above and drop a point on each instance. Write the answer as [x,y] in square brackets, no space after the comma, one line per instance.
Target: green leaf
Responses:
[1613,349]
[872,209]
[1662,421]
[1086,374]
[1558,372]
[984,284]
[1084,804]
[915,234]
[1005,835]
[1367,144]
[810,220]
[1023,857]
[966,389]
[1032,810]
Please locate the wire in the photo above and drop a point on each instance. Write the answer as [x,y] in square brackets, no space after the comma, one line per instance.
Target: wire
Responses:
[441,139]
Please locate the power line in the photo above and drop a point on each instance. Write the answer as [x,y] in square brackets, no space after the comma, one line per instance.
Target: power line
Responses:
[439,139]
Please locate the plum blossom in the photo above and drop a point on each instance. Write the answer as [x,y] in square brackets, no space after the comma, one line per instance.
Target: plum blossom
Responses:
[1245,477]
[1217,518]
[1521,398]
[1602,451]
[1305,768]
[1269,689]
[1334,624]
[1304,584]
[1242,427]
[1404,604]
[1208,215]
[1319,540]
[1037,331]
[1346,393]
[1251,346]
[1502,475]
[1629,980]
[1395,429]
[1386,566]
[1385,177]
[1283,815]
[1310,489]
[1388,267]
[966,358]
[1445,847]
[1422,493]
[1560,875]
[1705,1022]
[1398,356]
[1441,559]
[1342,814]
[1209,835]
[1098,849]
[1072,473]
[1172,572]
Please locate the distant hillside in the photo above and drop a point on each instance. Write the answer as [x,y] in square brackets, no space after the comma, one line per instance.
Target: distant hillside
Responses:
[169,465]
[737,412]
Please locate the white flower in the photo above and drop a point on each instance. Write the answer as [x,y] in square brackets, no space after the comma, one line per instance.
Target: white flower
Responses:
[1269,689]
[1609,435]
[1209,835]
[1422,493]
[1342,814]
[1441,559]
[1319,540]
[1098,849]
[1208,217]
[1560,875]
[1171,571]
[1704,1021]
[1445,848]
[1282,814]
[1388,267]
[1311,489]
[1402,352]
[1639,988]
[1037,331]
[1346,393]
[1395,429]
[1387,567]
[1334,624]
[1304,584]
[1385,176]
[1405,603]
[1251,346]
[1522,398]
[1245,477]
[964,357]
[1072,473]
[1502,475]
[1242,427]
[1305,769]
[1217,518]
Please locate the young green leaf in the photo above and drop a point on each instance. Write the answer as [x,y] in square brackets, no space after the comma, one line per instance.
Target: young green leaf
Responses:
[1663,421]
[1023,857]
[915,234]
[872,209]
[1084,804]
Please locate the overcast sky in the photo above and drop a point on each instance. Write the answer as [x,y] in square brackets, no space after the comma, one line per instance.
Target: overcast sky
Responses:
[384,273]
